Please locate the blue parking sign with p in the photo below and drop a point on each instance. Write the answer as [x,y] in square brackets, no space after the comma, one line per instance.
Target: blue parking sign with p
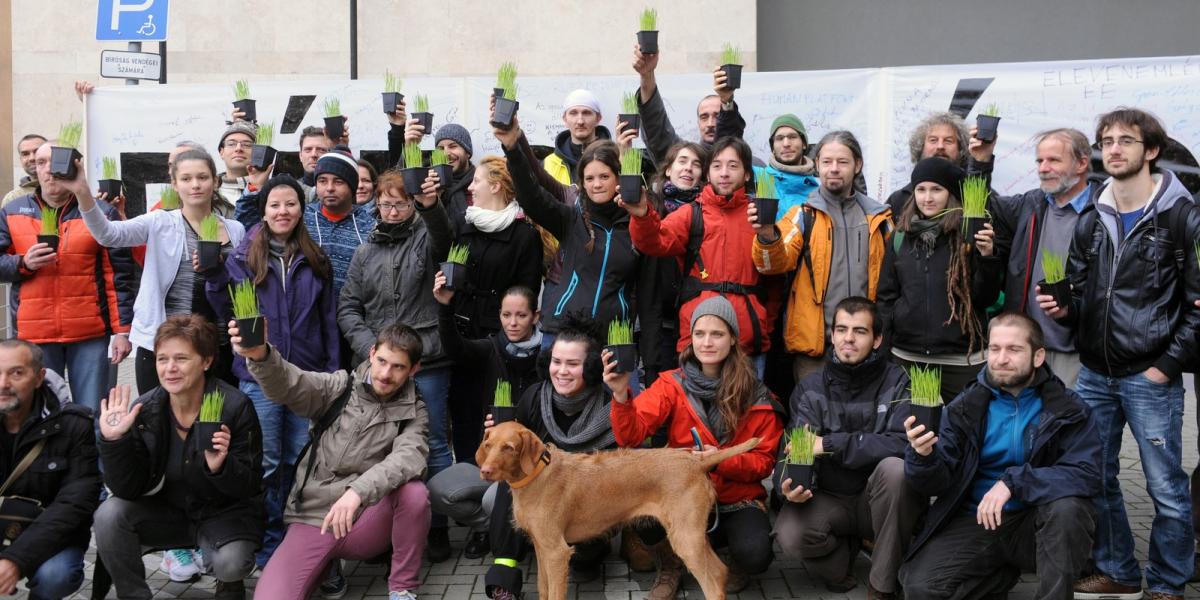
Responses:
[131,21]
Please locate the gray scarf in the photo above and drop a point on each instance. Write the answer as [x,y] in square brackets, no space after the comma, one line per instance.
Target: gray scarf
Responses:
[704,389]
[523,349]
[805,167]
[591,431]
[925,233]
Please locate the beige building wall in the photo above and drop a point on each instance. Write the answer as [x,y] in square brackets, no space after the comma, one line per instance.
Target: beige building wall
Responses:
[223,40]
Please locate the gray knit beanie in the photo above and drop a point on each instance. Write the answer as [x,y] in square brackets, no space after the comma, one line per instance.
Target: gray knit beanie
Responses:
[457,134]
[720,307]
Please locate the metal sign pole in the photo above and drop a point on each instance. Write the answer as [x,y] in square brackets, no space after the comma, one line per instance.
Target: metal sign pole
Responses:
[133,47]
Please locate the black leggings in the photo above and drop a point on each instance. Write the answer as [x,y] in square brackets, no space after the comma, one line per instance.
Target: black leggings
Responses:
[746,532]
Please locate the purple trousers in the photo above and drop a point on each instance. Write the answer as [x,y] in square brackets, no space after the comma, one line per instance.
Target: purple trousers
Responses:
[399,520]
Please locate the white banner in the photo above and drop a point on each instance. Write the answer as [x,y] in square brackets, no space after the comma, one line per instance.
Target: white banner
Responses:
[881,107]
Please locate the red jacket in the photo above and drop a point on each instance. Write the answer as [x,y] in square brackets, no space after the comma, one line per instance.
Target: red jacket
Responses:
[736,479]
[87,294]
[725,254]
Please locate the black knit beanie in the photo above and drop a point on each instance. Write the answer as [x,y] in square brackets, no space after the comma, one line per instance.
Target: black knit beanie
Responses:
[939,171]
[279,181]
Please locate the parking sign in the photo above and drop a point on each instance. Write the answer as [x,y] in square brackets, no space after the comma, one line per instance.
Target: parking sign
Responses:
[131,21]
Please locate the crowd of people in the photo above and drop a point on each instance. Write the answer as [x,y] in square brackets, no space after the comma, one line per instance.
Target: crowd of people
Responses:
[350,431]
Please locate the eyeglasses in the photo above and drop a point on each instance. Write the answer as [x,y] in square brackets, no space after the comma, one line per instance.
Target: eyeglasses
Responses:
[397,207]
[1124,141]
[786,137]
[236,144]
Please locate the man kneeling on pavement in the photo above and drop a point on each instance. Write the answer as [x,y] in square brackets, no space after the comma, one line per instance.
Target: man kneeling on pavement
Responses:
[1014,466]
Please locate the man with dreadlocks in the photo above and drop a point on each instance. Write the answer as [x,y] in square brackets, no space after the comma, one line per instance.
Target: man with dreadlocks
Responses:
[929,318]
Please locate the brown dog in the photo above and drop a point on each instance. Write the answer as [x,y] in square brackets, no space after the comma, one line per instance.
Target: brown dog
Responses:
[562,498]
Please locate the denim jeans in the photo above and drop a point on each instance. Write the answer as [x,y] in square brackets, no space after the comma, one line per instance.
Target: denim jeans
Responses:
[85,367]
[1155,416]
[434,385]
[59,576]
[284,434]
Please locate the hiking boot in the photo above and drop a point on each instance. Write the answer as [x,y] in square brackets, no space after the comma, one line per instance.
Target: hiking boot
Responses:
[670,571]
[478,545]
[335,585]
[1102,587]
[230,590]
[180,565]
[637,554]
[438,544]
[737,581]
[874,594]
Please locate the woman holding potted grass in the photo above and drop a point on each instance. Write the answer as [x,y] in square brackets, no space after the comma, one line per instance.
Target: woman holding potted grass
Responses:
[173,239]
[290,280]
[931,318]
[172,486]
[717,395]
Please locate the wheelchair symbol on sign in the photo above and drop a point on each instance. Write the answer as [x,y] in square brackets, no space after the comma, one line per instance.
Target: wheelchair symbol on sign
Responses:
[147,29]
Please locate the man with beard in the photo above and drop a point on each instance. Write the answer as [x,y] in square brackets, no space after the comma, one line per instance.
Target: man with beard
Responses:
[1039,222]
[26,148]
[581,115]
[338,225]
[1133,276]
[1013,466]
[234,148]
[941,134]
[834,242]
[855,407]
[42,425]
[656,124]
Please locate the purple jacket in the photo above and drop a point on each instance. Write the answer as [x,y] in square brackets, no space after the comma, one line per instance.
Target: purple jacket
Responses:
[302,321]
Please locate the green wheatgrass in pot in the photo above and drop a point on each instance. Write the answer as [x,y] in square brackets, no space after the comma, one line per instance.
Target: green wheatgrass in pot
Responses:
[69,134]
[802,443]
[241,90]
[108,168]
[391,83]
[1054,266]
[974,197]
[620,332]
[458,254]
[412,155]
[168,199]
[631,161]
[211,406]
[629,104]
[764,185]
[992,110]
[926,385]
[503,396]
[422,103]
[648,20]
[439,157]
[244,299]
[210,229]
[506,79]
[264,134]
[333,107]
[731,55]
[49,220]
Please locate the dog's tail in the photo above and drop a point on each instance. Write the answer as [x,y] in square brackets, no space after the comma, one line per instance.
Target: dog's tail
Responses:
[716,458]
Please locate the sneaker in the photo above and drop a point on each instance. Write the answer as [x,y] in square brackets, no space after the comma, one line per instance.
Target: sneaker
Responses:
[198,558]
[402,595]
[499,593]
[335,585]
[1163,596]
[179,565]
[230,590]
[478,545]
[437,545]
[1103,587]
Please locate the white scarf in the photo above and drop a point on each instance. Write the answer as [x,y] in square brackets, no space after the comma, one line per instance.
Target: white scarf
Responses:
[491,221]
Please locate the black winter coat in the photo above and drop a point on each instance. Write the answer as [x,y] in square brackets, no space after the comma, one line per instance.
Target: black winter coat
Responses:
[227,505]
[859,413]
[912,295]
[1131,298]
[65,478]
[1063,453]
[487,358]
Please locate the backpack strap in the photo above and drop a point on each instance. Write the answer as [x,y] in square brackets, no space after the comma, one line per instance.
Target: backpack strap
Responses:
[807,223]
[691,256]
[897,240]
[23,465]
[319,428]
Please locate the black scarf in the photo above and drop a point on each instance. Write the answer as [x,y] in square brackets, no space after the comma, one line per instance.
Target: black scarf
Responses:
[925,233]
[674,196]
[388,233]
[607,213]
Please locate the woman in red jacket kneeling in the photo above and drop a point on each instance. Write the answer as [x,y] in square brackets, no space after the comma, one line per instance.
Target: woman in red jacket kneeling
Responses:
[716,391]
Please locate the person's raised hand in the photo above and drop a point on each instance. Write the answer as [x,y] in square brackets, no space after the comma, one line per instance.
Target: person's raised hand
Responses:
[116,415]
[509,137]
[922,441]
[39,255]
[440,293]
[1049,305]
[983,240]
[257,353]
[83,88]
[258,177]
[981,151]
[430,188]
[618,383]
[644,64]
[398,116]
[215,458]
[796,494]
[625,136]
[414,130]
[721,87]
[641,209]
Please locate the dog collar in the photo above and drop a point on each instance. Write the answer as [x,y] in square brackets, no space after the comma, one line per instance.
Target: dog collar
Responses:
[542,461]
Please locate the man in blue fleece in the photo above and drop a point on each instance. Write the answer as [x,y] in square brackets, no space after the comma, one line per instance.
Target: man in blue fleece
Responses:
[1014,466]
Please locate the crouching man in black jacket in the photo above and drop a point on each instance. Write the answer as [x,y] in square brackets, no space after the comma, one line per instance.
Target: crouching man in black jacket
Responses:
[853,404]
[1014,466]
[64,475]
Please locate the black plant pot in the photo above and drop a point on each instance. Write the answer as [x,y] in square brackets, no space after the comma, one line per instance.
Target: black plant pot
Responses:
[767,209]
[648,40]
[335,128]
[972,226]
[456,275]
[498,93]
[625,355]
[631,189]
[445,174]
[62,162]
[414,177]
[391,100]
[631,121]
[209,254]
[262,157]
[425,119]
[204,433]
[987,126]
[502,414]
[247,106]
[801,475]
[505,111]
[111,188]
[929,416]
[1060,290]
[252,331]
[733,76]
[49,240]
